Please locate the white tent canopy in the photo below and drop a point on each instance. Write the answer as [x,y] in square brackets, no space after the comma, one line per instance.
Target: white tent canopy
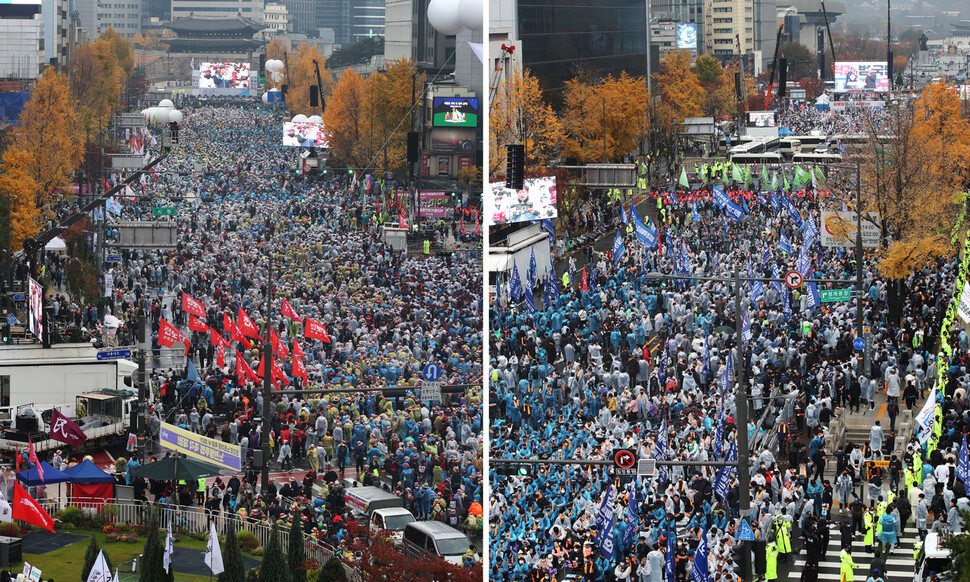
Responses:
[56,245]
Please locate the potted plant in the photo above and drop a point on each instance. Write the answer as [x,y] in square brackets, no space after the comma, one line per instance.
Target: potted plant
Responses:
[130,534]
[111,533]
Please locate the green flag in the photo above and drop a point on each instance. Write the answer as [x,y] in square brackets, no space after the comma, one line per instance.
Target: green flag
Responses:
[764,176]
[747,175]
[735,172]
[785,181]
[801,176]
[724,173]
[683,178]
[774,181]
[704,173]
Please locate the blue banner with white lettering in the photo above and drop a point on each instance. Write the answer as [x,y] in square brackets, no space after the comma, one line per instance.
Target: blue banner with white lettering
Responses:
[604,525]
[618,249]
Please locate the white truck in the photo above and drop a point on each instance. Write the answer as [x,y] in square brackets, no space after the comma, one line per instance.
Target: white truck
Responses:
[34,380]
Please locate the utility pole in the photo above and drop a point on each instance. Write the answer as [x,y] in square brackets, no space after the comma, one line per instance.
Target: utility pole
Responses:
[267,365]
[142,430]
[744,454]
[859,316]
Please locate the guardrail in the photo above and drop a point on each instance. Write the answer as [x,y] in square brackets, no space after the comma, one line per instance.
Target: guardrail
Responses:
[197,520]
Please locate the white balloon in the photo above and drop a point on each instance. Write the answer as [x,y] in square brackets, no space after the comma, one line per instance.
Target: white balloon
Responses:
[175,115]
[315,119]
[276,76]
[300,118]
[470,13]
[274,65]
[150,114]
[161,115]
[266,97]
[443,16]
[166,103]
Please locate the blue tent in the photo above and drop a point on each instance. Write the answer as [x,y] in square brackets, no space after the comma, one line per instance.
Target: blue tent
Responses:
[87,472]
[51,475]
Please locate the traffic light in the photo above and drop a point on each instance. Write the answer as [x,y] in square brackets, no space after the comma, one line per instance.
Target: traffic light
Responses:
[350,170]
[325,171]
[514,470]
[514,166]
[6,333]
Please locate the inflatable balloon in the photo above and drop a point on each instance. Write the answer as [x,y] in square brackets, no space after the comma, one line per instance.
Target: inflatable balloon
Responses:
[443,16]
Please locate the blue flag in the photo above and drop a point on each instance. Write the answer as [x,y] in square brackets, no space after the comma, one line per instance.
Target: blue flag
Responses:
[669,554]
[592,280]
[785,305]
[623,214]
[720,198]
[744,205]
[785,245]
[646,235]
[719,432]
[547,226]
[963,467]
[529,302]
[796,218]
[191,374]
[533,272]
[618,250]
[553,284]
[632,517]
[724,225]
[662,368]
[604,525]
[776,274]
[765,256]
[547,293]
[699,571]
[775,205]
[515,285]
[745,327]
[722,481]
[706,371]
[813,297]
[660,452]
[755,289]
[693,213]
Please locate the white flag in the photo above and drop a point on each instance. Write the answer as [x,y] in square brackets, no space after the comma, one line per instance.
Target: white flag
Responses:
[167,554]
[925,418]
[6,514]
[213,555]
[117,579]
[99,572]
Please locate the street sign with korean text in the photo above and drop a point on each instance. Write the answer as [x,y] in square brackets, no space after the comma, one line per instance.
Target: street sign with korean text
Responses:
[114,355]
[431,392]
[200,447]
[833,295]
[163,211]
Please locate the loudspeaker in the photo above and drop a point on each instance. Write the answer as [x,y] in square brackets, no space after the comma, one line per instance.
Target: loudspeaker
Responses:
[782,77]
[284,89]
[737,86]
[262,63]
[414,147]
[314,96]
[515,166]
[27,423]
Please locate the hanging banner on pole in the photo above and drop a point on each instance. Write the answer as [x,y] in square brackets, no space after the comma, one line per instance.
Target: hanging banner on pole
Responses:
[963,310]
[200,447]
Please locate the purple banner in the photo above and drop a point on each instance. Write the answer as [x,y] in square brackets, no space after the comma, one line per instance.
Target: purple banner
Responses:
[435,204]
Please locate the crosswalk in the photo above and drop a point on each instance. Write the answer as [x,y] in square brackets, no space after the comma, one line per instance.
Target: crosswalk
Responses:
[900,564]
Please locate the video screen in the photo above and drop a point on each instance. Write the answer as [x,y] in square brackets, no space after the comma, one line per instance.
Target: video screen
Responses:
[308,135]
[455,112]
[861,76]
[761,119]
[224,76]
[686,36]
[535,201]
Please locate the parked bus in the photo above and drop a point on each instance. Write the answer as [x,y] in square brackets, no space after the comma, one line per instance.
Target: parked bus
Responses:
[766,158]
[790,146]
[813,158]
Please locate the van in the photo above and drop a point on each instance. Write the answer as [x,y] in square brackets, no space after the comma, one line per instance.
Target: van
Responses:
[392,519]
[364,500]
[423,539]
[790,146]
[932,557]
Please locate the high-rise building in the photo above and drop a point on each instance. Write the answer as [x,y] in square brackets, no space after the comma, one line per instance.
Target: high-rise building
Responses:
[22,49]
[560,39]
[248,9]
[729,23]
[337,16]
[276,18]
[57,22]
[672,12]
[123,16]
[367,20]
[302,14]
[408,35]
[87,13]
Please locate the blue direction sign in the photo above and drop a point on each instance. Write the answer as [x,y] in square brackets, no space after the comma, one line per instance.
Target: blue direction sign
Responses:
[431,372]
[19,297]
[744,533]
[114,354]
[859,343]
[112,259]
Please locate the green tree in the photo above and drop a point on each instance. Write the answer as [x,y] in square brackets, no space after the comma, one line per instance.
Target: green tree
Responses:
[274,568]
[709,69]
[91,555]
[148,571]
[332,571]
[296,553]
[232,558]
[801,62]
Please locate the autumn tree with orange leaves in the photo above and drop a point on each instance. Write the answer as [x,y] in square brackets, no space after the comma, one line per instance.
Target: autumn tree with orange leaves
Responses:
[17,189]
[615,108]
[301,74]
[916,179]
[518,114]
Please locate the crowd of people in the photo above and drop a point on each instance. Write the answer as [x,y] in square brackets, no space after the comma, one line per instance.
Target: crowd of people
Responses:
[621,358]
[248,226]
[805,118]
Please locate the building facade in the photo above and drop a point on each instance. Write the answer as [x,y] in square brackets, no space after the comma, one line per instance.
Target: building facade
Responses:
[367,19]
[276,18]
[123,16]
[57,32]
[249,9]
[22,49]
[302,15]
[337,16]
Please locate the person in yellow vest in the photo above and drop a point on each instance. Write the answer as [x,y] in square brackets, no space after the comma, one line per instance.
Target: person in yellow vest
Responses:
[427,247]
[846,574]
[870,528]
[200,491]
[771,561]
[783,536]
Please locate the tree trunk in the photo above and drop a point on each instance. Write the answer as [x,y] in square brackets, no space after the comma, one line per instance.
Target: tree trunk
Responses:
[895,296]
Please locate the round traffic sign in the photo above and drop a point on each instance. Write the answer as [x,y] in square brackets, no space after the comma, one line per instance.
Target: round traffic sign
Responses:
[793,279]
[431,372]
[859,343]
[624,459]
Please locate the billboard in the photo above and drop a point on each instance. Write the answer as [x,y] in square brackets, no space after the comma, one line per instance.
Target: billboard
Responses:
[535,201]
[436,205]
[861,76]
[200,448]
[224,76]
[761,119]
[304,134]
[839,229]
[455,112]
[686,36]
[452,141]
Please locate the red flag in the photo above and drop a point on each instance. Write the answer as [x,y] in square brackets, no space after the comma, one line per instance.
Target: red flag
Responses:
[462,226]
[243,372]
[402,218]
[193,306]
[288,311]
[585,287]
[279,348]
[32,457]
[478,225]
[63,429]
[27,509]
[315,330]
[298,351]
[168,334]
[299,371]
[196,324]
[278,373]
[246,325]
[234,334]
[221,357]
[217,339]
